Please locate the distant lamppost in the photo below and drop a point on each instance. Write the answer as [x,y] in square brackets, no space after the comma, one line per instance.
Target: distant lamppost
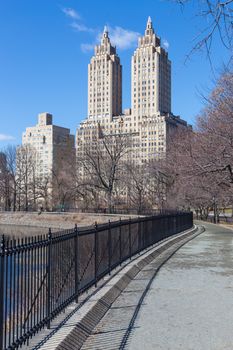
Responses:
[215,210]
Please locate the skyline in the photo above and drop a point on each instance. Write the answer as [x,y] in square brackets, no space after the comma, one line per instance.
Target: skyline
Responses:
[50,74]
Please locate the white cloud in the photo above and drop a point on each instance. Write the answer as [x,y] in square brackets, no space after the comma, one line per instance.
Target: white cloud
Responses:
[4,137]
[87,47]
[166,44]
[81,27]
[123,38]
[69,12]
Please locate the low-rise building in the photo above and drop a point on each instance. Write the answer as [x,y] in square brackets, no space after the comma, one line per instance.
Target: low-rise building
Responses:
[52,152]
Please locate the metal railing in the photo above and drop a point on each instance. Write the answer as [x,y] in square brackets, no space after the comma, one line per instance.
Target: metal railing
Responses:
[40,276]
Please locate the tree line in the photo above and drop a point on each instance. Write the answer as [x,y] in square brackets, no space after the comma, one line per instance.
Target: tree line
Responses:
[196,173]
[199,162]
[102,177]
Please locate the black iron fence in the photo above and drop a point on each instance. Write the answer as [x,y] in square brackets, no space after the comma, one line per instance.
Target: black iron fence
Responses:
[40,276]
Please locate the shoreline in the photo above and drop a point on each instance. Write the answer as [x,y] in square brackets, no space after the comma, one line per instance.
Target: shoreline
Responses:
[56,221]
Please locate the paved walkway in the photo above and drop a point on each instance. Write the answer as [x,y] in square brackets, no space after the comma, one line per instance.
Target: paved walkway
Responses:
[114,329]
[190,303]
[116,299]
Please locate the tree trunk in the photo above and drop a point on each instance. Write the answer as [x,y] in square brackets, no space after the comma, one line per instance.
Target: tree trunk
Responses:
[109,202]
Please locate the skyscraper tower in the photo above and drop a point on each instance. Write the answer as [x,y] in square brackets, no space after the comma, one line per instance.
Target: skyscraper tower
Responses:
[149,122]
[104,81]
[150,76]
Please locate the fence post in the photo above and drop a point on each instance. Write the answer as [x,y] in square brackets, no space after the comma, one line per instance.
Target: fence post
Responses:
[139,235]
[130,248]
[96,254]
[2,302]
[49,278]
[120,244]
[109,246]
[76,264]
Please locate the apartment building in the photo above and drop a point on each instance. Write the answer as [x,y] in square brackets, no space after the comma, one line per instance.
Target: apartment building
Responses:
[51,146]
[149,121]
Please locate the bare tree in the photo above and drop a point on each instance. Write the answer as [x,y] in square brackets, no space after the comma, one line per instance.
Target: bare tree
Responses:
[8,176]
[44,191]
[137,186]
[62,188]
[102,162]
[160,182]
[11,164]
[217,18]
[63,176]
[25,175]
[215,127]
[199,164]
[5,198]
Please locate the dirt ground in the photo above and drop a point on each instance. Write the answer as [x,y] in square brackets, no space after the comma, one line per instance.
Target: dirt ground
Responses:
[56,220]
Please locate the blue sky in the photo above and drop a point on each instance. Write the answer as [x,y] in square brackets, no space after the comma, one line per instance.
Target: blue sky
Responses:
[46,45]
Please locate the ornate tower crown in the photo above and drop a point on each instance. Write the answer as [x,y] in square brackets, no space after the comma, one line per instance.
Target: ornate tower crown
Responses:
[105,44]
[149,27]
[149,38]
[105,37]
[105,31]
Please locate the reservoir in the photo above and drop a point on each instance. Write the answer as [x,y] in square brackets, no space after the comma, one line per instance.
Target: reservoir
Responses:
[21,231]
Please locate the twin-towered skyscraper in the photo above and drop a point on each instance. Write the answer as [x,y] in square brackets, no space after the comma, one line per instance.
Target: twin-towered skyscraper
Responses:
[147,123]
[149,120]
[150,78]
